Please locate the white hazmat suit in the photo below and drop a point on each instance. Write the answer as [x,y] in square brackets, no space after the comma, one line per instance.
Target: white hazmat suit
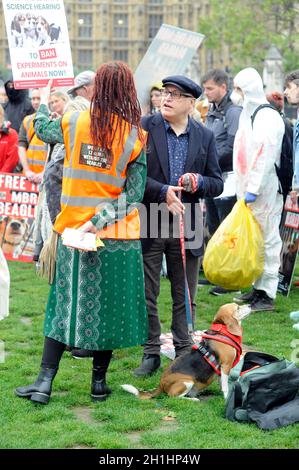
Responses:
[257,149]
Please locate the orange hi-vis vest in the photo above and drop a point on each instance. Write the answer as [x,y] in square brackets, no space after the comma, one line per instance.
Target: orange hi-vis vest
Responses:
[92,177]
[37,149]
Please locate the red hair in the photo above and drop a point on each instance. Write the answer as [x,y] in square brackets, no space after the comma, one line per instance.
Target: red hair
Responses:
[114,105]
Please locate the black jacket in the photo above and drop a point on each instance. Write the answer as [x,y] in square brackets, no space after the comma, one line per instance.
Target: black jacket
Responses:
[17,107]
[202,158]
[223,122]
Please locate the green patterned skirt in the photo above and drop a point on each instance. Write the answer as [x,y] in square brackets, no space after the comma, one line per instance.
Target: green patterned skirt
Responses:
[97,299]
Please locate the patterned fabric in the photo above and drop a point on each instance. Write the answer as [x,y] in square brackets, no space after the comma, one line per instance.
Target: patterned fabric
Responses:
[177,151]
[45,129]
[107,309]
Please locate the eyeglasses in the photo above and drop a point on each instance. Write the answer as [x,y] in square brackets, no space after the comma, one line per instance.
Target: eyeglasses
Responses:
[174,95]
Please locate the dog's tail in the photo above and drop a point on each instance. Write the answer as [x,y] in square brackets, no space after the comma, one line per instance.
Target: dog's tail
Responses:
[142,395]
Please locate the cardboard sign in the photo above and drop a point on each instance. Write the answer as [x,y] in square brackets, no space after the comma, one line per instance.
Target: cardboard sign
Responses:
[289,232]
[170,53]
[18,201]
[38,43]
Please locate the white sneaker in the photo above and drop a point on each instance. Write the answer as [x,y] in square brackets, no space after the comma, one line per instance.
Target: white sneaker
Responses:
[296,326]
[294,316]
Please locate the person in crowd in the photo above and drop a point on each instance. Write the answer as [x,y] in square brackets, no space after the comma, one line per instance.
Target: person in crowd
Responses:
[104,179]
[291,93]
[8,145]
[3,96]
[223,120]
[17,106]
[32,151]
[276,99]
[257,150]
[155,98]
[182,160]
[203,107]
[82,90]
[57,102]
[54,167]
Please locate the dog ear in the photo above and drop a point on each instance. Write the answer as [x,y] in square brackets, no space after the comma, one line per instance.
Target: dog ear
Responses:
[234,328]
[226,316]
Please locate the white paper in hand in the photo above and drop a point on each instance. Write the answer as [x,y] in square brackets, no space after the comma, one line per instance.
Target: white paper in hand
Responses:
[74,238]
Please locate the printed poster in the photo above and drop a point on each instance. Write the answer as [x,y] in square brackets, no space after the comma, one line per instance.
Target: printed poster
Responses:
[289,232]
[18,203]
[170,53]
[38,41]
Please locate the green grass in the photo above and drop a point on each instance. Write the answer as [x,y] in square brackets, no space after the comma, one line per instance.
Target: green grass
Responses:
[71,420]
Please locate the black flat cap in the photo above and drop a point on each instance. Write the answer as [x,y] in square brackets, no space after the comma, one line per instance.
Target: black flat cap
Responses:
[183,83]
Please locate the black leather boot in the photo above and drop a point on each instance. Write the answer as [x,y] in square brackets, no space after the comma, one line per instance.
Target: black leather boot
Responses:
[99,389]
[40,390]
[150,363]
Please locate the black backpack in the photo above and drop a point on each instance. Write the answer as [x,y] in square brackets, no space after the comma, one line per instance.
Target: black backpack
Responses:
[285,170]
[263,389]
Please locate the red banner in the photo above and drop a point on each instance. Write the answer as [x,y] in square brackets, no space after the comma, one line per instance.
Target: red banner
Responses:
[18,202]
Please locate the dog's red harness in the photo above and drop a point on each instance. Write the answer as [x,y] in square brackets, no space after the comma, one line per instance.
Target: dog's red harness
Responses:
[220,333]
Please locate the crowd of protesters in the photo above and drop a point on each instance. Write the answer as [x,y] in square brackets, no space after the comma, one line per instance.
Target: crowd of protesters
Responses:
[95,158]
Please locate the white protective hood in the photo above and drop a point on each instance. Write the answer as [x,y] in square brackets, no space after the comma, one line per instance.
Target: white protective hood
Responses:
[250,82]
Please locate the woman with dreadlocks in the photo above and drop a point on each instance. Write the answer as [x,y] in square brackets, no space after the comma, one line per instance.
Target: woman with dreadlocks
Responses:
[96,301]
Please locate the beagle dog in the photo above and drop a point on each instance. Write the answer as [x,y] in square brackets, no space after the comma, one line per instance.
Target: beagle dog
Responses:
[17,28]
[12,233]
[217,353]
[42,31]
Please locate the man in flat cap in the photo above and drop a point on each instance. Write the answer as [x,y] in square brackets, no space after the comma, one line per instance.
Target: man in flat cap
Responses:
[182,168]
[82,90]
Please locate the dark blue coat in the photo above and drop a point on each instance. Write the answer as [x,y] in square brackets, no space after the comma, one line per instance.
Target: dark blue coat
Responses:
[202,158]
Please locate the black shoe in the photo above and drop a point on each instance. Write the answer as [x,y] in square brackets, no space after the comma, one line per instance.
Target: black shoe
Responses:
[81,353]
[262,304]
[217,290]
[204,282]
[248,297]
[150,363]
[40,390]
[99,389]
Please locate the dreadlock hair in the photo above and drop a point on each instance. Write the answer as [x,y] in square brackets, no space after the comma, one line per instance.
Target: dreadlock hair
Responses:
[114,101]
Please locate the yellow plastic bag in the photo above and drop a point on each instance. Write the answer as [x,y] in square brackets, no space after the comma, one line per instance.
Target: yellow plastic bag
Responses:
[234,257]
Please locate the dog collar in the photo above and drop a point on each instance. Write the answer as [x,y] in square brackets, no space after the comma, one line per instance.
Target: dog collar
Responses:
[208,356]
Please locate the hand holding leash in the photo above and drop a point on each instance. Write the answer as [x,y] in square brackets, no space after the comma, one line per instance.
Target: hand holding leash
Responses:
[189,182]
[174,204]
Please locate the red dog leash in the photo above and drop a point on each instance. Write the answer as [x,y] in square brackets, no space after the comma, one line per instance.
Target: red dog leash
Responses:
[188,304]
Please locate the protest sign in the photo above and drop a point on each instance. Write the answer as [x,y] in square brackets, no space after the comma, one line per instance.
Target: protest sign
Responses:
[170,53]
[18,202]
[38,43]
[290,240]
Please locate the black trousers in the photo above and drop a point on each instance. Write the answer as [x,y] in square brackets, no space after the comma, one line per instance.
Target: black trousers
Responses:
[53,351]
[152,262]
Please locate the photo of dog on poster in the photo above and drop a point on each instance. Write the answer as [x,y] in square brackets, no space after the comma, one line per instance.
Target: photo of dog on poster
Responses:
[16,236]
[33,31]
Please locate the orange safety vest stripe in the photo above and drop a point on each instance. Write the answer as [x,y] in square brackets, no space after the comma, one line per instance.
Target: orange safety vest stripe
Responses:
[91,177]
[37,150]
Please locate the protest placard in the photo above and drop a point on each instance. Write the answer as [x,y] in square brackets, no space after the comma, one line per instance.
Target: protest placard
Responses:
[18,202]
[170,53]
[289,232]
[38,43]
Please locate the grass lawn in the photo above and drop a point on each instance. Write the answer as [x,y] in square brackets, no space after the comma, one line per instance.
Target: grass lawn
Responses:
[72,421]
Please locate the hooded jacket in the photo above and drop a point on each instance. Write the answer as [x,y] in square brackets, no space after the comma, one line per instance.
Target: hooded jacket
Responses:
[18,105]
